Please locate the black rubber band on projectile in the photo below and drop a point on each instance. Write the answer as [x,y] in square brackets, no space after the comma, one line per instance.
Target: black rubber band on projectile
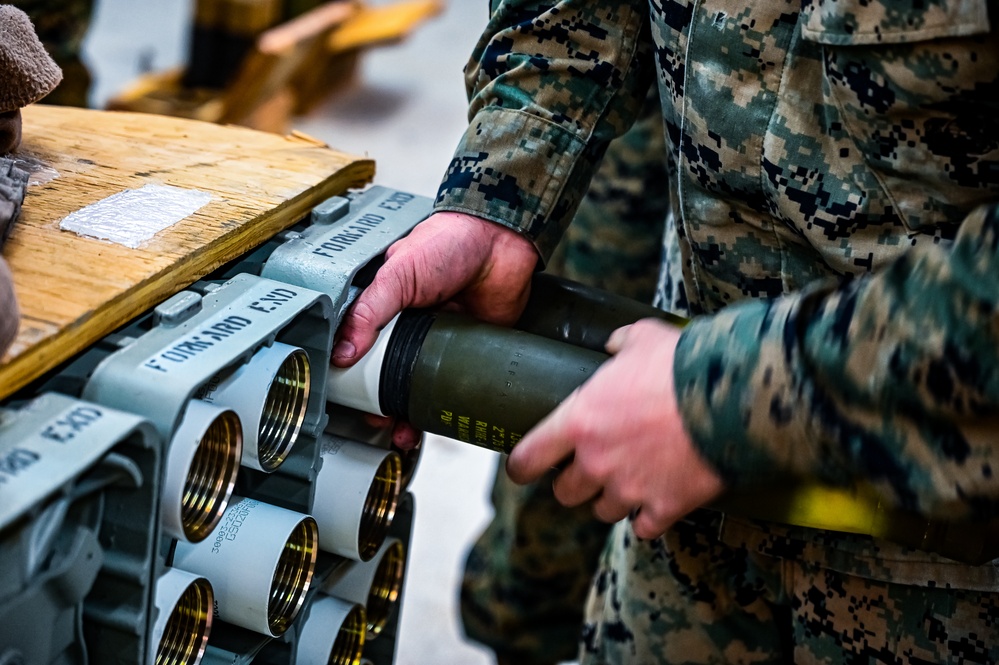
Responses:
[400,359]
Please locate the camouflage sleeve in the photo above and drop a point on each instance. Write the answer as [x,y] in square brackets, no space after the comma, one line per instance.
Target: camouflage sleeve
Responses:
[892,378]
[550,84]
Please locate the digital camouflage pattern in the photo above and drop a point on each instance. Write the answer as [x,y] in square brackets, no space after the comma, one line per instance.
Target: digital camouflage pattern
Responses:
[527,576]
[61,26]
[765,603]
[825,161]
[614,242]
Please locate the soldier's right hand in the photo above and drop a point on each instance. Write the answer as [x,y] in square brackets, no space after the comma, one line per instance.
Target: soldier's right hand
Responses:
[466,262]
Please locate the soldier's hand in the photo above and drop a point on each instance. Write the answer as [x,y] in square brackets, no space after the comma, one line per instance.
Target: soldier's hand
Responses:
[470,263]
[622,438]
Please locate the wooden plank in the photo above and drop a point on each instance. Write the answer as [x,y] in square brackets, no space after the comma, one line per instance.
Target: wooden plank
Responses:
[314,23]
[163,93]
[333,67]
[74,290]
[292,67]
[279,54]
[382,24]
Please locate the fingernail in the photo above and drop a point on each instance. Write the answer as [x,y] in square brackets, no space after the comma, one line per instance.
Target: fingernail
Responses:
[344,350]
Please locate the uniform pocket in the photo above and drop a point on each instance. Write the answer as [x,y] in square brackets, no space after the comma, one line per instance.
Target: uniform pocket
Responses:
[916,86]
[856,22]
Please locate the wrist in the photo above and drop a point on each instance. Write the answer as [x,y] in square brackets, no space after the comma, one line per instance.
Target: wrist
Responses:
[508,248]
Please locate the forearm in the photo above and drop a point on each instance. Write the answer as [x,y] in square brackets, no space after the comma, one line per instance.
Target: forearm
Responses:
[892,379]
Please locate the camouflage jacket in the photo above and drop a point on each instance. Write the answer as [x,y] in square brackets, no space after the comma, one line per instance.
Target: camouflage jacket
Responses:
[831,169]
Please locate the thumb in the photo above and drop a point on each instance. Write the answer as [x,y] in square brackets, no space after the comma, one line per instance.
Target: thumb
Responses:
[618,339]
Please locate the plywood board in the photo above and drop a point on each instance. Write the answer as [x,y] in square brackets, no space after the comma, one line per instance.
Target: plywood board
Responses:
[73,290]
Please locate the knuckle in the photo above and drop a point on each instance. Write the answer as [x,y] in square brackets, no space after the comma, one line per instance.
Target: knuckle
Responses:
[629,494]
[648,327]
[363,315]
[578,427]
[648,527]
[592,467]
[558,489]
[399,280]
[605,512]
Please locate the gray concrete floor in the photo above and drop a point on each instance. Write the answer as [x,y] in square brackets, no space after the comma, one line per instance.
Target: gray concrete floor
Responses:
[406,110]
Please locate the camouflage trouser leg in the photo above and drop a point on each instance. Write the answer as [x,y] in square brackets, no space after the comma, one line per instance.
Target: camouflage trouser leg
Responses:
[61,26]
[683,598]
[687,598]
[527,576]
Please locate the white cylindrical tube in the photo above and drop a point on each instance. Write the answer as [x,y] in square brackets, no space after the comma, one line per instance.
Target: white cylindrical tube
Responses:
[410,459]
[201,468]
[376,584]
[333,633]
[357,386]
[183,618]
[270,393]
[356,492]
[350,423]
[260,561]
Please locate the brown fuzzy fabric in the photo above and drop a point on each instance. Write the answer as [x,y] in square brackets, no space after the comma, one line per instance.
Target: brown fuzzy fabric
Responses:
[27,72]
[10,316]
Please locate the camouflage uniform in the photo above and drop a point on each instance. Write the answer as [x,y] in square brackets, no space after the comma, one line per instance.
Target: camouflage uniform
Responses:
[527,575]
[61,25]
[615,236]
[834,169]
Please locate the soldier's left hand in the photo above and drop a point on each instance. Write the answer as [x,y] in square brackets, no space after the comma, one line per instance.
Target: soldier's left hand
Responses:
[623,439]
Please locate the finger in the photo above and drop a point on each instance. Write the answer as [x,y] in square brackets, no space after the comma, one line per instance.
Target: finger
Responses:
[572,487]
[372,310]
[542,448]
[617,339]
[610,510]
[394,247]
[376,421]
[452,306]
[405,436]
[648,525]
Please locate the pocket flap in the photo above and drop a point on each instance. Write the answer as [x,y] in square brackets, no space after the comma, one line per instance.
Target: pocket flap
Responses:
[847,22]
